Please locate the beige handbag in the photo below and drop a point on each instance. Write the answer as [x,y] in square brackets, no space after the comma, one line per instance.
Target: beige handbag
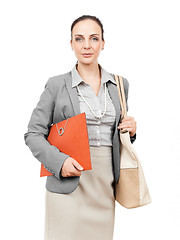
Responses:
[131,189]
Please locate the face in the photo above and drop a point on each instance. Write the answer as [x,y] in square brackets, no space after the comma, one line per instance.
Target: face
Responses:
[87,41]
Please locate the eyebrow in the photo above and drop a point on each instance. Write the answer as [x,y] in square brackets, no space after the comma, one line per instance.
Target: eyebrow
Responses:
[90,35]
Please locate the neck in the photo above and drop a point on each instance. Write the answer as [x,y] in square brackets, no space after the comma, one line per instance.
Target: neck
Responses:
[89,71]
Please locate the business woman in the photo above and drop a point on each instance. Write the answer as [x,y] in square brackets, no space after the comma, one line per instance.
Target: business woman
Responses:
[81,204]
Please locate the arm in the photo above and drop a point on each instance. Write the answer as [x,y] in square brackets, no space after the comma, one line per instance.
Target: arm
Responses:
[126,90]
[38,130]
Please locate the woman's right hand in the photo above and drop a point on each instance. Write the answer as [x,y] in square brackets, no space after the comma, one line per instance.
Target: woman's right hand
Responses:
[71,168]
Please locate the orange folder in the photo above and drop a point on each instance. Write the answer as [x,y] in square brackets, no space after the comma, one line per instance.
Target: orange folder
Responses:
[70,136]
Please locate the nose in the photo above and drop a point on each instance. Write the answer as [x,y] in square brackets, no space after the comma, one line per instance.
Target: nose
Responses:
[86,44]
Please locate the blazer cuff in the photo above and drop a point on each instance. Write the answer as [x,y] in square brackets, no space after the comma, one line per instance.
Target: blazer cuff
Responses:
[133,138]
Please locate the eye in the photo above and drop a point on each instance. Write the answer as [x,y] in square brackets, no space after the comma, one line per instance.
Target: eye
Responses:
[95,39]
[78,39]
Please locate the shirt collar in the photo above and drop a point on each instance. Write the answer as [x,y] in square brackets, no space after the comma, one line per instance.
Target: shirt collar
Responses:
[105,77]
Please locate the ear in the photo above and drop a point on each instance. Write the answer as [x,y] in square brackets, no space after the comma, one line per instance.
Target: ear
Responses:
[103,45]
[71,44]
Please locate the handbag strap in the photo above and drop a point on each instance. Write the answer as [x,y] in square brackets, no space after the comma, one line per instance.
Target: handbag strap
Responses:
[122,98]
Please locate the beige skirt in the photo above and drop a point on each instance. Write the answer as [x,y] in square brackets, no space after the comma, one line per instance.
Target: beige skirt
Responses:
[89,211]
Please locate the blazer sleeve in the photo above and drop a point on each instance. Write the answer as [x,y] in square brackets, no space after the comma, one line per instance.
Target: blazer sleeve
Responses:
[38,130]
[126,90]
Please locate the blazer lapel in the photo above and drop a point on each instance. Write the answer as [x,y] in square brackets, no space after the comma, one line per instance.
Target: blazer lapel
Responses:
[73,95]
[113,92]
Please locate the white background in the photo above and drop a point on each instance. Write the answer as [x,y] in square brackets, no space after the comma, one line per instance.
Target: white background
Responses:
[142,44]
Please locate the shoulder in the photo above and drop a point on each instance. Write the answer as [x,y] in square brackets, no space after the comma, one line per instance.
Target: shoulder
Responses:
[56,83]
[58,80]
[125,81]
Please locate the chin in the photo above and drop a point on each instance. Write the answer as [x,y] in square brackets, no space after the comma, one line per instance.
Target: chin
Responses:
[87,61]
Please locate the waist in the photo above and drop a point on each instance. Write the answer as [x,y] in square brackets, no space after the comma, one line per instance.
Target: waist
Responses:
[101,151]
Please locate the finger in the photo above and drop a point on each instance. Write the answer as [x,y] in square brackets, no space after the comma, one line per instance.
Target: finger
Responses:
[76,172]
[77,165]
[127,129]
[125,125]
[120,126]
[127,118]
[128,124]
[73,171]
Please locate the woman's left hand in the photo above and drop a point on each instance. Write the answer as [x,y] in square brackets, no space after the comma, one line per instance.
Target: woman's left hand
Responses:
[128,123]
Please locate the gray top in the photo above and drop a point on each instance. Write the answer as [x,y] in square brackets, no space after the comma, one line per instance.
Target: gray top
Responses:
[100,131]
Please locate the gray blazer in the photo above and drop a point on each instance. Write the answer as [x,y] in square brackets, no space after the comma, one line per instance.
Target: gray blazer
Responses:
[59,101]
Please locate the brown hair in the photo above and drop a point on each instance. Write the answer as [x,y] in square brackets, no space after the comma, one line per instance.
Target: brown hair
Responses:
[84,17]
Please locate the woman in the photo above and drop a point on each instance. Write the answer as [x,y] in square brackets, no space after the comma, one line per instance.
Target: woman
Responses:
[81,204]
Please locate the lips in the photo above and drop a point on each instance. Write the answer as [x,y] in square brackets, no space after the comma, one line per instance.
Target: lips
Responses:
[87,54]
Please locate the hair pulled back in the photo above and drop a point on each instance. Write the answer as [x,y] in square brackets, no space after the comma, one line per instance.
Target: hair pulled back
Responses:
[84,17]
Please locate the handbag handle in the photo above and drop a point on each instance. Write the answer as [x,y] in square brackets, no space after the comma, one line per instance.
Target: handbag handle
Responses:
[122,98]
